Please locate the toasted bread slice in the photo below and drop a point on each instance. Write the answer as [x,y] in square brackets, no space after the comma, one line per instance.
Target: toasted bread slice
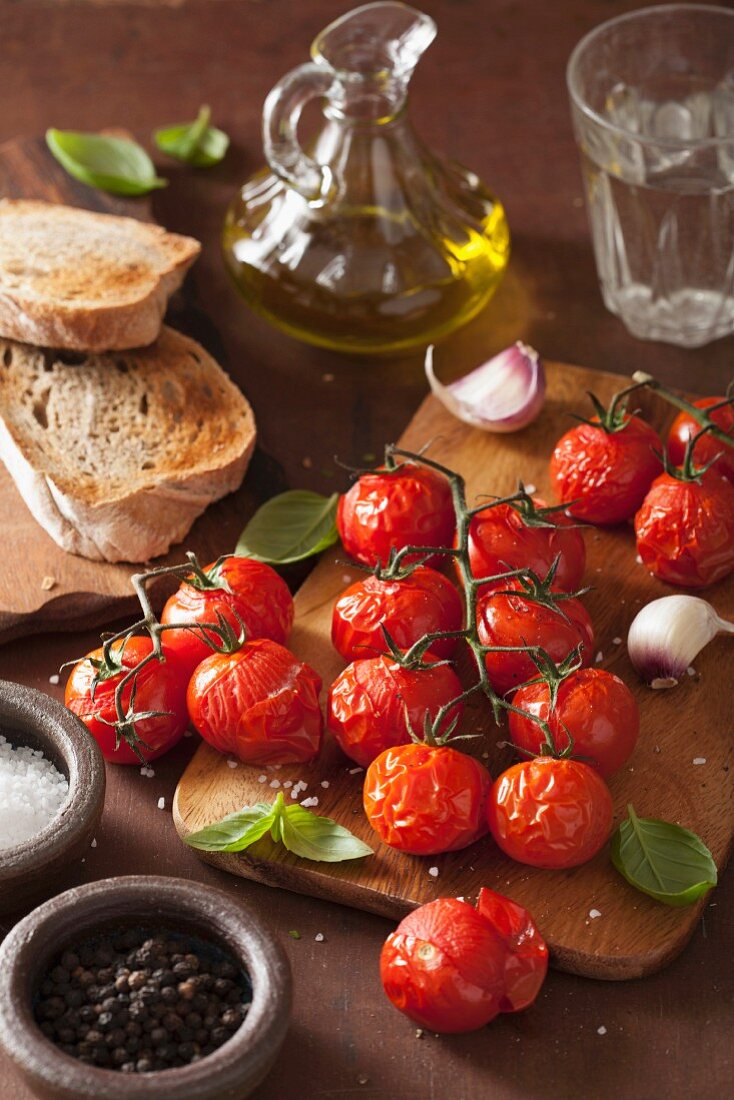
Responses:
[116,455]
[90,282]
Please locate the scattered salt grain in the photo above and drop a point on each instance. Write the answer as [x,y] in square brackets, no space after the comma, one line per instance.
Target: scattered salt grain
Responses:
[313,801]
[699,759]
[433,872]
[601,1030]
[288,783]
[638,559]
[616,641]
[188,733]
[594,913]
[232,763]
[32,793]
[599,657]
[161,803]
[94,842]
[54,679]
[325,783]
[319,937]
[691,670]
[353,771]
[147,771]
[262,778]
[274,783]
[530,488]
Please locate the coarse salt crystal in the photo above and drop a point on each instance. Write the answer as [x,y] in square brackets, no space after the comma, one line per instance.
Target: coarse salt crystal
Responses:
[616,641]
[161,803]
[94,842]
[232,763]
[638,559]
[313,801]
[601,1030]
[353,771]
[147,771]
[262,778]
[319,937]
[691,670]
[54,679]
[530,488]
[699,759]
[433,872]
[594,913]
[325,783]
[599,657]
[274,783]
[288,783]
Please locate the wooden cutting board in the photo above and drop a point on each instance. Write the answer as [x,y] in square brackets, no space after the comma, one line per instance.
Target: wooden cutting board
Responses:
[41,586]
[633,935]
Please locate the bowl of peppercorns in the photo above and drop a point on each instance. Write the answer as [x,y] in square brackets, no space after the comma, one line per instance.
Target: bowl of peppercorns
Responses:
[143,986]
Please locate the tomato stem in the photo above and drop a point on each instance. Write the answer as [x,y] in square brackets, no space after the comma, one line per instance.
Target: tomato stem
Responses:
[701,416]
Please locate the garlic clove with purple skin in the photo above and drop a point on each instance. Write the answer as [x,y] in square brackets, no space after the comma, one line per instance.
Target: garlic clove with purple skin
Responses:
[668,634]
[503,395]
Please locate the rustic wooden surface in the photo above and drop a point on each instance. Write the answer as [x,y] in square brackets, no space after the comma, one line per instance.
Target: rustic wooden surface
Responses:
[635,935]
[491,93]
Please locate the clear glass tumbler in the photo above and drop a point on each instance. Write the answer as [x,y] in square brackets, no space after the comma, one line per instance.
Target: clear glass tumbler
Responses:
[652,98]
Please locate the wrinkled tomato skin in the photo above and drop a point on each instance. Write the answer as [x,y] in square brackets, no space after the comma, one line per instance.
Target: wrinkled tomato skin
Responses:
[261,704]
[517,621]
[453,968]
[550,813]
[422,603]
[685,530]
[374,703]
[259,596]
[707,448]
[425,799]
[500,540]
[595,707]
[386,510]
[161,685]
[603,476]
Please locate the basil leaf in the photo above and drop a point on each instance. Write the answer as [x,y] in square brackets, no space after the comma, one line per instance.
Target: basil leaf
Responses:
[290,527]
[195,143]
[236,831]
[319,838]
[664,860]
[109,163]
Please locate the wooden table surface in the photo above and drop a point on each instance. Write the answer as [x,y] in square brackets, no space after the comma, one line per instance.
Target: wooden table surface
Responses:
[490,93]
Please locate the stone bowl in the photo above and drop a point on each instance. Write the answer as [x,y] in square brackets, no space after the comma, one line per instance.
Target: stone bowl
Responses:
[229,1073]
[35,867]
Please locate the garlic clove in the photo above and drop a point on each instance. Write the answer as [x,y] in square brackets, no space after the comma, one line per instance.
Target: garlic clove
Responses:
[503,395]
[668,634]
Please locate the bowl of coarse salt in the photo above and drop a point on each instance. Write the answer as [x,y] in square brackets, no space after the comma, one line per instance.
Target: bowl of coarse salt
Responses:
[52,784]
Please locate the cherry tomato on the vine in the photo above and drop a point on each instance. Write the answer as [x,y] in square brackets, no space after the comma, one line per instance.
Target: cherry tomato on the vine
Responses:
[242,587]
[452,968]
[518,620]
[260,703]
[160,686]
[596,708]
[420,604]
[603,475]
[500,540]
[707,447]
[685,529]
[425,799]
[389,509]
[375,703]
[550,813]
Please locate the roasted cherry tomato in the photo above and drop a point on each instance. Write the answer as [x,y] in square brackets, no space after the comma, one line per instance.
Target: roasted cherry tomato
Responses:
[260,703]
[603,475]
[707,447]
[517,620]
[596,708]
[426,799]
[500,539]
[420,604]
[451,967]
[389,509]
[685,529]
[160,686]
[550,813]
[375,703]
[239,587]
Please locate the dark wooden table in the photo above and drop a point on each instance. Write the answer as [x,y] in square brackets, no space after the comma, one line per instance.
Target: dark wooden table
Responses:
[490,93]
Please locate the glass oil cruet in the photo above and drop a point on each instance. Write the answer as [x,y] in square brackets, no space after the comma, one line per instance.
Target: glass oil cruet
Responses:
[367,242]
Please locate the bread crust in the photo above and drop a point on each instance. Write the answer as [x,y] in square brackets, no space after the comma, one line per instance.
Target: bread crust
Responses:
[122,521]
[46,308]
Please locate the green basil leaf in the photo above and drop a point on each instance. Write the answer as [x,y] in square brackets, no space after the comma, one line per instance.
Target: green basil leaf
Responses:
[236,831]
[664,860]
[109,163]
[195,143]
[319,838]
[290,527]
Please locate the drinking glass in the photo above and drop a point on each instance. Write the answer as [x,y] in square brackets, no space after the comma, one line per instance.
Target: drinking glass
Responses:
[652,99]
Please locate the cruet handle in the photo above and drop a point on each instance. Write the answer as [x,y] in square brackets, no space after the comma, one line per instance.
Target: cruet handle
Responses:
[281,113]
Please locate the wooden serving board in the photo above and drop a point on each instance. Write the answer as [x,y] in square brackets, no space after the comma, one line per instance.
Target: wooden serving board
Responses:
[634,935]
[41,586]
